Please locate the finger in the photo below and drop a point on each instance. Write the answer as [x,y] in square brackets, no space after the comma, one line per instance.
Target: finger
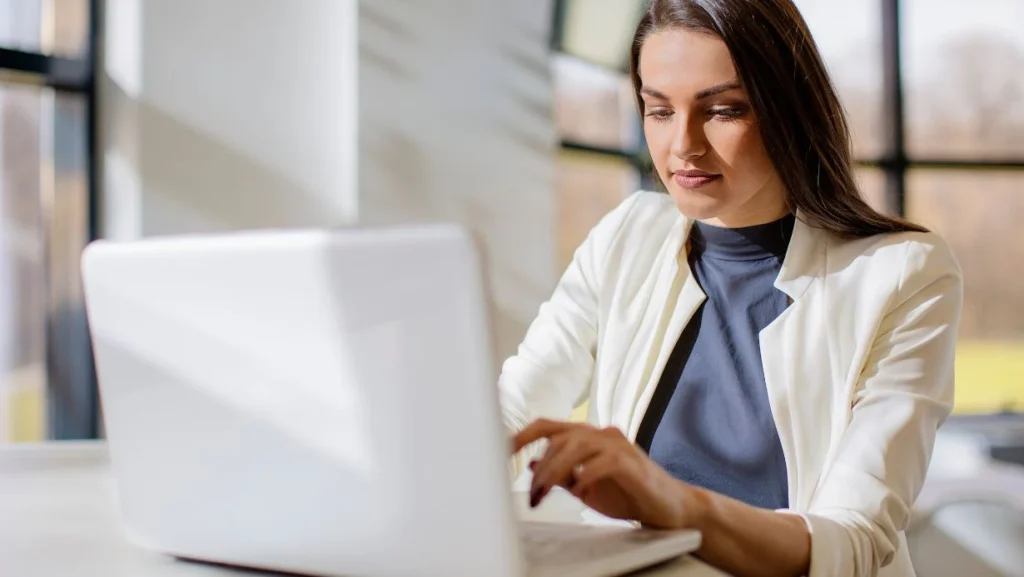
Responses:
[561,458]
[606,465]
[537,430]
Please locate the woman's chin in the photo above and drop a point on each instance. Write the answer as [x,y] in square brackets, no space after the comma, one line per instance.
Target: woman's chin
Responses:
[697,205]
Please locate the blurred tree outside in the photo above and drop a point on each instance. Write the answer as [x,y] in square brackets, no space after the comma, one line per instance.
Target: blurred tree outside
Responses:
[972,106]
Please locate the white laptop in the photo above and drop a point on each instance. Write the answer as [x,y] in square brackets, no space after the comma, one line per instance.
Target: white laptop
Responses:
[321,403]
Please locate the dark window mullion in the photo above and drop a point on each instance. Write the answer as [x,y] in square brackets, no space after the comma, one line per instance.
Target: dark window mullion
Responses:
[889,164]
[558,25]
[895,164]
[93,55]
[635,157]
[67,74]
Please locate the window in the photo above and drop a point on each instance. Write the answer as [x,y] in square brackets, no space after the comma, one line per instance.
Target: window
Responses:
[965,90]
[848,35]
[47,383]
[598,30]
[54,27]
[979,214]
[22,266]
[871,184]
[965,157]
[588,187]
[594,105]
[596,119]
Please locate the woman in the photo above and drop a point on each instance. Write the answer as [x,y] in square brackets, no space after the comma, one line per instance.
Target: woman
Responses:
[766,358]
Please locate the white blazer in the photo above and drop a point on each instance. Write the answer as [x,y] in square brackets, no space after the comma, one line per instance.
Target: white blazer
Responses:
[859,368]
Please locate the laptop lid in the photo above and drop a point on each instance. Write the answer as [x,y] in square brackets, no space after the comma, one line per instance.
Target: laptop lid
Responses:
[306,401]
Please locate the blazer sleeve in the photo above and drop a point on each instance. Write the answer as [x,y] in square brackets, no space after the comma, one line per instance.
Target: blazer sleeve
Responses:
[904,394]
[550,374]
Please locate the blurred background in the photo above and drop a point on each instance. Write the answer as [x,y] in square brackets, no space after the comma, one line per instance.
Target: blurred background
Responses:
[128,118]
[172,114]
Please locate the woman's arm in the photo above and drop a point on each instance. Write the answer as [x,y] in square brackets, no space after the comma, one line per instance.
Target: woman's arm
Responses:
[610,474]
[746,541]
[904,394]
[549,375]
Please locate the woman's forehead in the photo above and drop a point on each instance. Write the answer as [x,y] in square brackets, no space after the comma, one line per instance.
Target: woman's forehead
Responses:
[679,61]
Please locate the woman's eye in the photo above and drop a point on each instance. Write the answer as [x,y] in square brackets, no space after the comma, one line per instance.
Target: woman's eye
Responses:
[659,114]
[726,112]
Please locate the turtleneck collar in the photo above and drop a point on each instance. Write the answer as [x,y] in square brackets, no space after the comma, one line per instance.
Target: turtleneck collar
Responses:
[757,242]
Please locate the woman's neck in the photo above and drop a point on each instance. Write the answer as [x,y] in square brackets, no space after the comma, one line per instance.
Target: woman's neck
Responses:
[768,205]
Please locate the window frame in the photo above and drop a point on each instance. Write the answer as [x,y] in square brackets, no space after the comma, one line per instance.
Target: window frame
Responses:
[72,400]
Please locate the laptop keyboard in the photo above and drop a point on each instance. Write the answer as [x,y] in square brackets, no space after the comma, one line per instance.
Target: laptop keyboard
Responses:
[548,544]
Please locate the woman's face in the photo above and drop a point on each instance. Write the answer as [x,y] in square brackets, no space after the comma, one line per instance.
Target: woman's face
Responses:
[702,132]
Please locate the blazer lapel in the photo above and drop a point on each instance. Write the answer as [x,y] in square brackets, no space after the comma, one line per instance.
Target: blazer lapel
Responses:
[804,260]
[678,296]
[795,357]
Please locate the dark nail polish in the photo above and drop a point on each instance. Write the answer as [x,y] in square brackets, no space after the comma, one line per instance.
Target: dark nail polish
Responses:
[533,464]
[535,497]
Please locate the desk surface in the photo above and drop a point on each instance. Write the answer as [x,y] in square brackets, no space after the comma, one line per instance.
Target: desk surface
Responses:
[58,516]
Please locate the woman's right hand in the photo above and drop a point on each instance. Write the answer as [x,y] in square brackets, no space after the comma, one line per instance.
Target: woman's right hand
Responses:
[609,474]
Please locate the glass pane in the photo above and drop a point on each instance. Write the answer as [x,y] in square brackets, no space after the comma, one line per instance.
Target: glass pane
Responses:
[59,27]
[849,37]
[21,24]
[593,105]
[22,262]
[588,187]
[979,214]
[601,30]
[70,27]
[964,87]
[871,183]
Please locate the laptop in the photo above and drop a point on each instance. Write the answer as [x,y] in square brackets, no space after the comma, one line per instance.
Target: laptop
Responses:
[323,403]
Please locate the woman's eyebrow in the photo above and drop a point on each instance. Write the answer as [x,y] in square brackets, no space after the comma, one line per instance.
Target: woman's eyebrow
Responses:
[706,93]
[726,87]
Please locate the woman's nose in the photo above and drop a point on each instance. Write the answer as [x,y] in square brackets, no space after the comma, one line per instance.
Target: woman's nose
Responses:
[688,140]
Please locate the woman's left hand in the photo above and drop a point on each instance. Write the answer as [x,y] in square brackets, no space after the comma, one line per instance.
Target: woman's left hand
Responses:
[606,471]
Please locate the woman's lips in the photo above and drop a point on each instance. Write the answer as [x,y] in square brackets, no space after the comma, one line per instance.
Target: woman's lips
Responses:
[694,179]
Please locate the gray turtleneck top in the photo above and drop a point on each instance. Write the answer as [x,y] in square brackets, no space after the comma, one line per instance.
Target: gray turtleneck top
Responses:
[709,422]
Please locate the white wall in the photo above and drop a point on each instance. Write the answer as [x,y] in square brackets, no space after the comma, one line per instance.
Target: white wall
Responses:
[455,123]
[229,114]
[290,113]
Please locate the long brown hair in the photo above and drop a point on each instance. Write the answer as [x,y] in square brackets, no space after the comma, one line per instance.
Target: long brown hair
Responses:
[802,123]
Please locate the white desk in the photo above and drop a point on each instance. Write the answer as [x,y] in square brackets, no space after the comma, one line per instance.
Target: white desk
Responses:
[58,516]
